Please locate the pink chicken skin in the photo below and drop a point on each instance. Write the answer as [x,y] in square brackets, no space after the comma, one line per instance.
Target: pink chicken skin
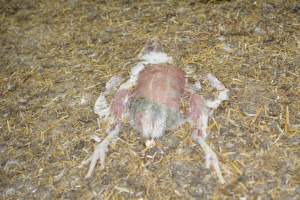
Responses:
[161,84]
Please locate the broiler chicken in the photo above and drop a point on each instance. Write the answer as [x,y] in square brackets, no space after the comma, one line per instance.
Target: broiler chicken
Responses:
[151,99]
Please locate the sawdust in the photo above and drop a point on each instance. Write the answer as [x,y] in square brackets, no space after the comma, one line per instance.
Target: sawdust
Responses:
[56,57]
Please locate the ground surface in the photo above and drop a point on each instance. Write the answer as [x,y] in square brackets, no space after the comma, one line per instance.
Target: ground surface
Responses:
[56,56]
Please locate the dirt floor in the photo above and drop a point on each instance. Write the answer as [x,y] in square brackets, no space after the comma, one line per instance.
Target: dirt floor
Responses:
[56,56]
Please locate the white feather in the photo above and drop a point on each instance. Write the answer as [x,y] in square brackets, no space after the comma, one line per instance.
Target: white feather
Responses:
[214,104]
[223,95]
[133,76]
[113,82]
[156,58]
[214,82]
[101,107]
[159,125]
[153,125]
[223,92]
[196,87]
[146,121]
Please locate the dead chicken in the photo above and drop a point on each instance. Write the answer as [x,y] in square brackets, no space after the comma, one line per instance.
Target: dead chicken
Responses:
[151,99]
